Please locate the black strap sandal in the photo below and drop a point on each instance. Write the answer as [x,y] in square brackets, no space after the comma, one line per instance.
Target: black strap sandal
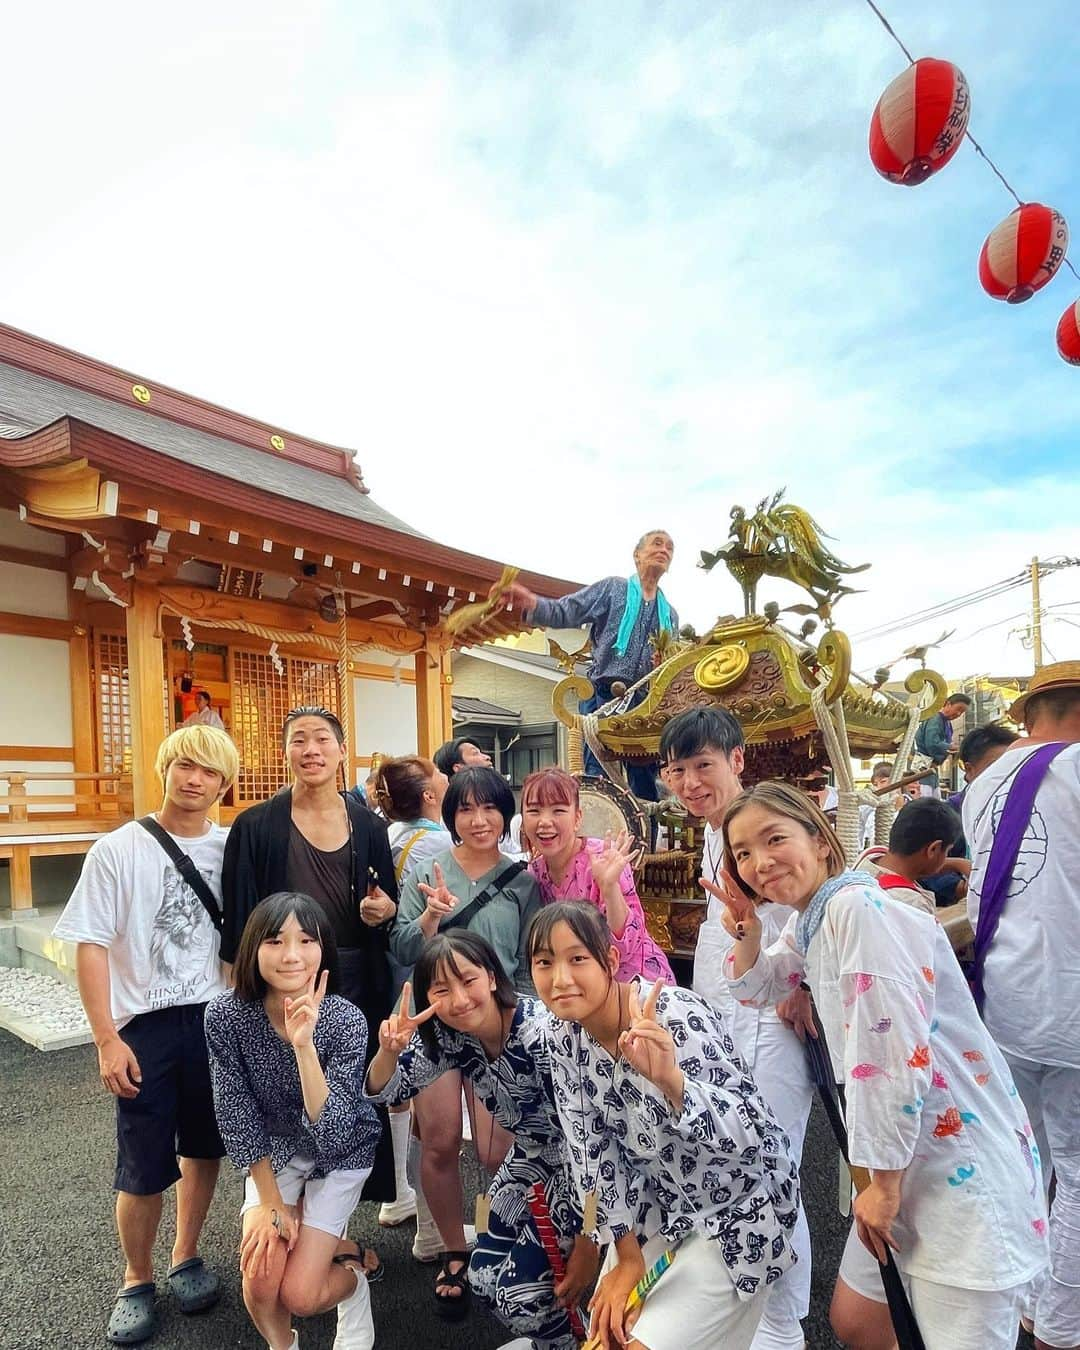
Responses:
[451,1307]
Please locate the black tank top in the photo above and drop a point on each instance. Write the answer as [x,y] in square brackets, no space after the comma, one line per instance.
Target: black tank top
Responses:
[327,878]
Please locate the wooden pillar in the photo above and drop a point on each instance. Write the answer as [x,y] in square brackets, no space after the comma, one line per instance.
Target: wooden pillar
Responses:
[146,678]
[430,728]
[447,681]
[22,891]
[82,708]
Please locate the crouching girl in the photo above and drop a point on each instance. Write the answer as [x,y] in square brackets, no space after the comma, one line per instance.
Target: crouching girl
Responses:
[287,1064]
[469,1019]
[670,1142]
[930,1105]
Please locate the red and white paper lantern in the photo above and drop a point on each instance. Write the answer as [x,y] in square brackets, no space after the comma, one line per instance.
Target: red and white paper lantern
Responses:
[1068,335]
[1022,253]
[919,121]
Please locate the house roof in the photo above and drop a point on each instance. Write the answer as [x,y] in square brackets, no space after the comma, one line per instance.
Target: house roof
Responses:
[480,710]
[57,405]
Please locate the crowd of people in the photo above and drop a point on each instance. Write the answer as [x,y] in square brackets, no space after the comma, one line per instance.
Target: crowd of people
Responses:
[330,992]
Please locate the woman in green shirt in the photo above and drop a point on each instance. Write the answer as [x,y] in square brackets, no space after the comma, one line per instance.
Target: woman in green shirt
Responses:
[471,885]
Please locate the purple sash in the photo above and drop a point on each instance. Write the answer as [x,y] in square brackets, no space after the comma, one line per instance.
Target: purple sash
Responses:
[1009,835]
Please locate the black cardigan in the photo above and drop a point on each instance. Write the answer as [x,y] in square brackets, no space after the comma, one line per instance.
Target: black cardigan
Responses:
[256,865]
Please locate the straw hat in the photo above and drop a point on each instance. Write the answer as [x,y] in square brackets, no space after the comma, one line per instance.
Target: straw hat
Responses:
[1059,675]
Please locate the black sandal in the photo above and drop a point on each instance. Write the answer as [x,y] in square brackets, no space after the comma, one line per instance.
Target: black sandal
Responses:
[452,1307]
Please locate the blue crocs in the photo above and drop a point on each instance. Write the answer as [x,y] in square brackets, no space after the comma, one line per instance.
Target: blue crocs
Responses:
[132,1319]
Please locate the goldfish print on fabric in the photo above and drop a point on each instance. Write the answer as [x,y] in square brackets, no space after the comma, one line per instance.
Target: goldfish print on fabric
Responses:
[927,1091]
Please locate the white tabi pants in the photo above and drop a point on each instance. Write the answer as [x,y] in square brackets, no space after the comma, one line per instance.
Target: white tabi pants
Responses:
[1051,1095]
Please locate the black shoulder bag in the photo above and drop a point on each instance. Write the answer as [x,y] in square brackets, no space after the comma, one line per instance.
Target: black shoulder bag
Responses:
[186,868]
[908,1335]
[458,918]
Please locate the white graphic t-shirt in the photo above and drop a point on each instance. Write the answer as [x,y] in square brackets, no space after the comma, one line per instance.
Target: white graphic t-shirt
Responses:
[130,899]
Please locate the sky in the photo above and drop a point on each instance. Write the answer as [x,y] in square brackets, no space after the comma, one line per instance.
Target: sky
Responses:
[563,272]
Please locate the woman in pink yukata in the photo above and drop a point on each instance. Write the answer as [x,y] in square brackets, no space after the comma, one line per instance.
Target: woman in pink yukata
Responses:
[569,867]
[931,1110]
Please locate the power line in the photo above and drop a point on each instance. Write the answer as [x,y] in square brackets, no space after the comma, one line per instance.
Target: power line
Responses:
[945,607]
[975,144]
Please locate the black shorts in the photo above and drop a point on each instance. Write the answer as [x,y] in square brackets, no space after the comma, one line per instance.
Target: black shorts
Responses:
[173,1113]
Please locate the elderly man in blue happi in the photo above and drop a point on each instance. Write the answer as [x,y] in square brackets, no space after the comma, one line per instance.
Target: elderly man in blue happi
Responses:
[623,614]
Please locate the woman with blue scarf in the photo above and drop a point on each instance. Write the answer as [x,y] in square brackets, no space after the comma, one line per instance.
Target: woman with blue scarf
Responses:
[930,1106]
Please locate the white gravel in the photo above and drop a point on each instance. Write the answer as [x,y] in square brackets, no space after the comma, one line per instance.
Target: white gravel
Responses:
[50,1003]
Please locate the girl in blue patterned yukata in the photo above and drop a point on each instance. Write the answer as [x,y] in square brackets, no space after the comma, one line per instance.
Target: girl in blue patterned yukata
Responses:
[287,1065]
[930,1106]
[670,1142]
[469,1020]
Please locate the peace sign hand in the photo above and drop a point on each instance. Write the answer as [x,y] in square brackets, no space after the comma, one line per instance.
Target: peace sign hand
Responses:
[439,899]
[609,864]
[740,916]
[397,1031]
[302,1012]
[647,1046]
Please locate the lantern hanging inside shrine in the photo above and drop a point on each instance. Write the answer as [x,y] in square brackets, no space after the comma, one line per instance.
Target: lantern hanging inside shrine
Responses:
[919,121]
[1022,253]
[1068,335]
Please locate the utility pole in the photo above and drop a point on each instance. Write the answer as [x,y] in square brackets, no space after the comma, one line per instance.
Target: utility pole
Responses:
[1036,615]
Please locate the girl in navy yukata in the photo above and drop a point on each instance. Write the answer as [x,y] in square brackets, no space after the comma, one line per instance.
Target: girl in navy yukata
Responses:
[287,1066]
[469,1019]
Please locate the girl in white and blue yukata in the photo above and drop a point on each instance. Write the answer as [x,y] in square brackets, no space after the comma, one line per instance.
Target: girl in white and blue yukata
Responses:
[469,1020]
[930,1105]
[287,1066]
[671,1145]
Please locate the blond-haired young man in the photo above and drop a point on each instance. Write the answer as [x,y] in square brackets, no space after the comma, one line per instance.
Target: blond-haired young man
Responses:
[148,963]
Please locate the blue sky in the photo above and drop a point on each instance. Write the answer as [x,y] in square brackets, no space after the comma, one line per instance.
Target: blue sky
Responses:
[562,272]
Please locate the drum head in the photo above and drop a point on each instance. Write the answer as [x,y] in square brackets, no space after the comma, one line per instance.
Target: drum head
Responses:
[607,807]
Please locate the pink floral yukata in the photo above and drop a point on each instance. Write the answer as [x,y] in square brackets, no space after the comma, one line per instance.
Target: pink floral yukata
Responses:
[926,1088]
[638,953]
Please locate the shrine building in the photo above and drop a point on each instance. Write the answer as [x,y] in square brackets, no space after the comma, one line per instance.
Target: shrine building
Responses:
[153,545]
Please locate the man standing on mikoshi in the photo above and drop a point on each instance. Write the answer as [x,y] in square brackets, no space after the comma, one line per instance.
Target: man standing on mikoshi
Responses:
[624,615]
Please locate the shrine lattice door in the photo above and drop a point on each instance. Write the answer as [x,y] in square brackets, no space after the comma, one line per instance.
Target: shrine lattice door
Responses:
[111,698]
[260,700]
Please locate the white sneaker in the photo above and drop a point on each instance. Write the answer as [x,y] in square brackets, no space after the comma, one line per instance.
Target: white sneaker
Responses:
[522,1343]
[355,1328]
[397,1211]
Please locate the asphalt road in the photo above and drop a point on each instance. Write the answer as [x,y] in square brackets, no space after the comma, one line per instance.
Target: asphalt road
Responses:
[60,1266]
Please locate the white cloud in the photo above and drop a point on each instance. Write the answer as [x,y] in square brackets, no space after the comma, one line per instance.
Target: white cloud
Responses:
[563,272]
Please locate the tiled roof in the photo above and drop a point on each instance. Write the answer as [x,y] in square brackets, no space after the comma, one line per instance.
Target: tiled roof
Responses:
[29,402]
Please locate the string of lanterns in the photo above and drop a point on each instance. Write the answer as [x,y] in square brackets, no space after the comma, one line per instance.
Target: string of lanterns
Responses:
[919,124]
